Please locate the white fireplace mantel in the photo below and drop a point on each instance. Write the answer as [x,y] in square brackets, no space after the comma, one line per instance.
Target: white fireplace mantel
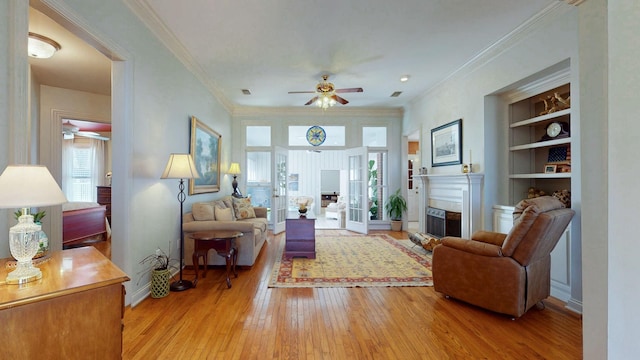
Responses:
[453,192]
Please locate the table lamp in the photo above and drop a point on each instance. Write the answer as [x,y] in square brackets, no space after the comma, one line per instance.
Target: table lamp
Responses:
[234,170]
[180,166]
[26,186]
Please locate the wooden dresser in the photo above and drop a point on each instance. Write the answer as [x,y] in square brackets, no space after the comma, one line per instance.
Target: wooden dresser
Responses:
[74,312]
[104,198]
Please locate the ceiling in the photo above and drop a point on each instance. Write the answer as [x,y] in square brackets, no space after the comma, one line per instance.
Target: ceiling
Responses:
[273,47]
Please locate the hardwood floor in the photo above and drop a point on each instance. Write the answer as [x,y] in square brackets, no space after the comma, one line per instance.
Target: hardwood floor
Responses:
[252,321]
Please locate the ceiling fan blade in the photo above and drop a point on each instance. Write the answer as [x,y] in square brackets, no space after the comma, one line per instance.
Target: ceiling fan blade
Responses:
[342,101]
[301,92]
[312,100]
[91,134]
[349,90]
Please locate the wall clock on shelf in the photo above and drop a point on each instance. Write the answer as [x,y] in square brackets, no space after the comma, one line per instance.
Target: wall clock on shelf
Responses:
[316,135]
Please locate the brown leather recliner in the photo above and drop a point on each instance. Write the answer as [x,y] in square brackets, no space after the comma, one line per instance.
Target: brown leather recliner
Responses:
[505,273]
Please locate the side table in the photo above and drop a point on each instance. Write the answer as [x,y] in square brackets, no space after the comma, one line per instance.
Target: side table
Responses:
[222,242]
[300,237]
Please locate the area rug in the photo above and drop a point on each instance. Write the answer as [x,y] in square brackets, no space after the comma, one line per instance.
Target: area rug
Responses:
[355,261]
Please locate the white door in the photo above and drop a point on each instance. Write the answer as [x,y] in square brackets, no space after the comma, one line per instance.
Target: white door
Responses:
[279,206]
[413,188]
[357,197]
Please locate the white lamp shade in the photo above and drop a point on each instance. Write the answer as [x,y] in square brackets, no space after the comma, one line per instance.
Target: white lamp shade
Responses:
[180,166]
[234,169]
[29,186]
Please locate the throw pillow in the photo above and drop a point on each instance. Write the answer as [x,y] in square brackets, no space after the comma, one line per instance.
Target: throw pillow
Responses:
[202,211]
[225,203]
[243,208]
[223,214]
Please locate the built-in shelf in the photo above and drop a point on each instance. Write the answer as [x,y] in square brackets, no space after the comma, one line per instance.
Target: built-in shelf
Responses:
[541,144]
[541,118]
[566,175]
[530,151]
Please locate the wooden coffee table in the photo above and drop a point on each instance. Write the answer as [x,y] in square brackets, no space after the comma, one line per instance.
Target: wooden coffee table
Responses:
[222,242]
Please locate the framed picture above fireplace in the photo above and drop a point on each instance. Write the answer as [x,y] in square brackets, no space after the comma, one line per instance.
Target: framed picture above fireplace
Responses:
[446,144]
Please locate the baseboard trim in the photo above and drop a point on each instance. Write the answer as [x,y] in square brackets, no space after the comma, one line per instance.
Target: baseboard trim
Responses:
[560,291]
[574,305]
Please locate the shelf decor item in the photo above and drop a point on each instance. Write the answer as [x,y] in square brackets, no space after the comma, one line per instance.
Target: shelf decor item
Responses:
[446,144]
[27,186]
[180,166]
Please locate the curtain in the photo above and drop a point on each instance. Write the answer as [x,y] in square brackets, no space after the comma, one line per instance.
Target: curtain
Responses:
[82,168]
[67,168]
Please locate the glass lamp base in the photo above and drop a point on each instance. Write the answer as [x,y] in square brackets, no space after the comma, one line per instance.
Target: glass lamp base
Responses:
[22,275]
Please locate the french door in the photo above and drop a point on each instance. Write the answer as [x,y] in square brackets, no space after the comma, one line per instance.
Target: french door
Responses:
[357,191]
[279,203]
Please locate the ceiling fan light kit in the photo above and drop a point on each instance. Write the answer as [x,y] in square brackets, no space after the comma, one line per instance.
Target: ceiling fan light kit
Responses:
[326,94]
[325,101]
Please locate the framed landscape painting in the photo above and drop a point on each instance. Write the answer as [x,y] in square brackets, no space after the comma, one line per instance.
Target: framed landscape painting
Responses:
[205,149]
[446,144]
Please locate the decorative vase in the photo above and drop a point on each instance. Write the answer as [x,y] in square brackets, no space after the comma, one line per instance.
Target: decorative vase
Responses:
[160,283]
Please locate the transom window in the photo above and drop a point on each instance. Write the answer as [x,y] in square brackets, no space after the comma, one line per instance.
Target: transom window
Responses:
[335,135]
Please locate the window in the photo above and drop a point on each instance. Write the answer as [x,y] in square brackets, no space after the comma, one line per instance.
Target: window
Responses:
[374,136]
[259,178]
[82,168]
[258,135]
[335,135]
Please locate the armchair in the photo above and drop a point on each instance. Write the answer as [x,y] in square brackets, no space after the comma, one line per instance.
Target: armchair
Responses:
[505,273]
[333,209]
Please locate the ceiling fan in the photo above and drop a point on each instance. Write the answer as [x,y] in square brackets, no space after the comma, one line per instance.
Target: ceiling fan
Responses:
[69,131]
[326,94]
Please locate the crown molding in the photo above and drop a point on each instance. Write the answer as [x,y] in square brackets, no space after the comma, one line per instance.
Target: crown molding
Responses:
[145,13]
[332,112]
[552,11]
[574,2]
[62,13]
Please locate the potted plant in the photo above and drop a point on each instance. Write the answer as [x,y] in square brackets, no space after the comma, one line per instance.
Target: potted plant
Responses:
[396,206]
[158,264]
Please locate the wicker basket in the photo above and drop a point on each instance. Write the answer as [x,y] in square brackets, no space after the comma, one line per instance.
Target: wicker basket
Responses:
[160,283]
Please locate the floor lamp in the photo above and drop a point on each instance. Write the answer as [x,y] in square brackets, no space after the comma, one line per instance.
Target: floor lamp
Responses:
[180,166]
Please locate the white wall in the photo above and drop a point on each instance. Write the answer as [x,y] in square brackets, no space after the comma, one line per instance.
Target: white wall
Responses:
[624,169]
[308,166]
[160,96]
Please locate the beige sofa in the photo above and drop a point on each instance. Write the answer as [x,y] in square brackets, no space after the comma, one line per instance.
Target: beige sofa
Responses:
[227,214]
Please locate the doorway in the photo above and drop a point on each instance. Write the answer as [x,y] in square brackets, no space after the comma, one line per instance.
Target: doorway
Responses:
[414,164]
[112,77]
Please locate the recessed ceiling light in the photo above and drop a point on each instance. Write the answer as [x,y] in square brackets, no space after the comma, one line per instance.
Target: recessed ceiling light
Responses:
[246,91]
[404,78]
[396,94]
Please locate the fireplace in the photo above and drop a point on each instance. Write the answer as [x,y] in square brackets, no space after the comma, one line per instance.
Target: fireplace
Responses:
[458,196]
[441,223]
